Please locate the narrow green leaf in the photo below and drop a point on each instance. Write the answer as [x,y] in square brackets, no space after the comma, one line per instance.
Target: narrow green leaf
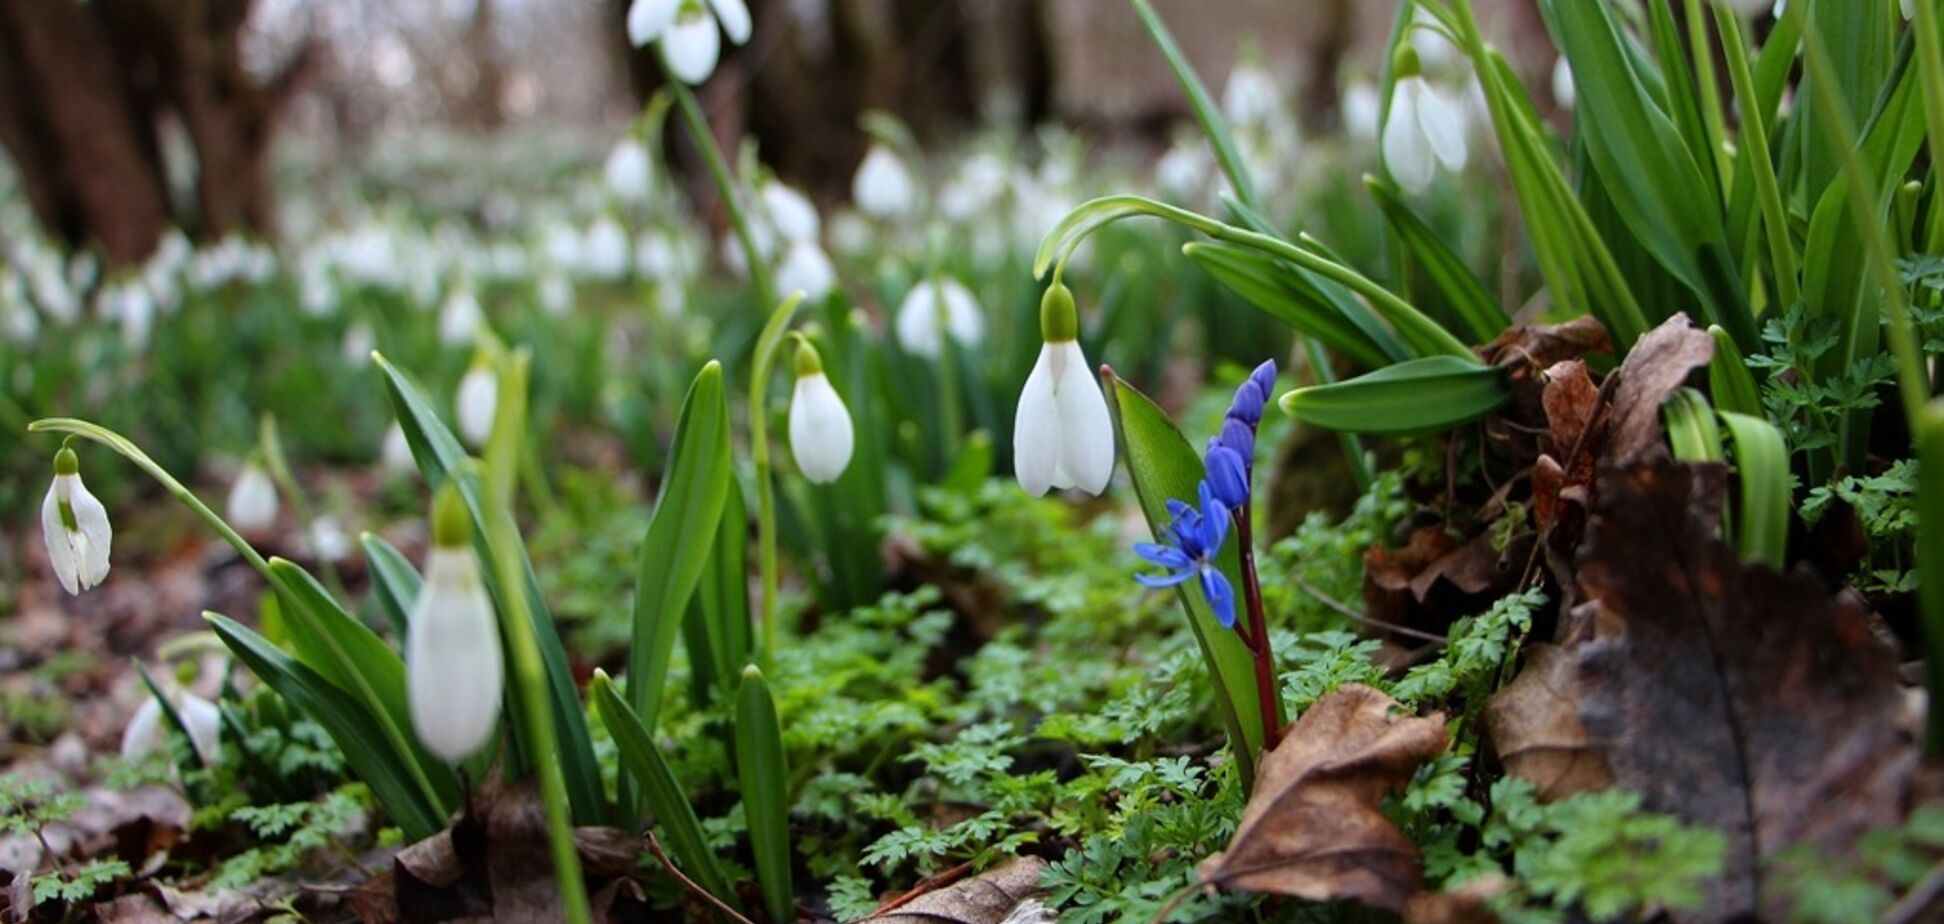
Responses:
[1929,434]
[1483,317]
[717,630]
[1261,281]
[1762,461]
[1420,396]
[1210,117]
[1691,429]
[1728,378]
[394,582]
[172,716]
[765,782]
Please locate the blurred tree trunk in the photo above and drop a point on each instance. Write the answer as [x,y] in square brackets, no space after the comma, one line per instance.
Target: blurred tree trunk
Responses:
[83,89]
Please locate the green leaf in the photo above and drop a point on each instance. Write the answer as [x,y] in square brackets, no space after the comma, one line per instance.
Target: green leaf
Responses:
[394,582]
[1762,460]
[1164,466]
[663,793]
[716,630]
[1263,281]
[1483,317]
[172,716]
[1929,434]
[1691,429]
[1728,378]
[354,730]
[1210,117]
[1420,396]
[765,792]
[694,490]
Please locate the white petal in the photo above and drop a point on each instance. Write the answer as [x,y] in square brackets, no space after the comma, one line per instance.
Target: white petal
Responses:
[60,551]
[252,505]
[882,186]
[917,323]
[808,268]
[459,318]
[963,317]
[648,19]
[395,455]
[734,15]
[791,212]
[1036,426]
[1444,128]
[821,437]
[477,402]
[92,542]
[629,172]
[691,46]
[1086,430]
[454,674]
[1410,161]
[1564,90]
[144,730]
[204,722]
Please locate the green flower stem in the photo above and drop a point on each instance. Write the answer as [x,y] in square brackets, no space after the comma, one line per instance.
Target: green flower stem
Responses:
[725,183]
[271,443]
[767,343]
[503,455]
[1930,72]
[394,735]
[1753,144]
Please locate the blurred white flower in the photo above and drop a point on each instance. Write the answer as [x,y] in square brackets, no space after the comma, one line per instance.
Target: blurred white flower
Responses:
[655,257]
[976,187]
[459,317]
[128,303]
[1184,170]
[359,341]
[629,171]
[476,403]
[883,187]
[327,539]
[790,212]
[1062,434]
[821,437]
[1363,109]
[1423,131]
[252,503]
[931,304]
[75,527]
[687,32]
[1251,97]
[395,453]
[556,294]
[199,716]
[1564,91]
[453,667]
[648,19]
[1432,47]
[604,252]
[807,268]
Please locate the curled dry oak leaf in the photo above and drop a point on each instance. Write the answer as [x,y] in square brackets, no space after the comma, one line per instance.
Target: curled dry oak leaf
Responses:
[1736,697]
[1658,363]
[1534,726]
[1001,894]
[1315,827]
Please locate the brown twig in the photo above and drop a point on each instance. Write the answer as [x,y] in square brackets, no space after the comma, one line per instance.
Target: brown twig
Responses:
[928,884]
[655,847]
[1345,610]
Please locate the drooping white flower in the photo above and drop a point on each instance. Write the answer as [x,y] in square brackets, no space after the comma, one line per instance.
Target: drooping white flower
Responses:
[604,251]
[459,317]
[359,341]
[1564,90]
[453,669]
[648,19]
[629,172]
[252,503]
[807,268]
[790,212]
[395,453]
[687,32]
[931,306]
[1424,130]
[883,187]
[75,527]
[556,294]
[1363,109]
[1183,171]
[200,717]
[476,403]
[821,437]
[1251,98]
[1062,434]
[327,539]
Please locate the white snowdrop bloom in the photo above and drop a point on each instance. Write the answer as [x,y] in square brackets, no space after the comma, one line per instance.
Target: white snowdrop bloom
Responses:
[1564,90]
[327,539]
[315,293]
[129,304]
[52,294]
[453,670]
[976,187]
[18,322]
[807,268]
[604,252]
[655,257]
[556,294]
[629,172]
[1251,97]
[75,527]
[1183,171]
[821,437]
[359,341]
[1424,130]
[852,233]
[691,46]
[761,235]
[1062,434]
[648,19]
[395,452]
[919,317]
[459,317]
[476,403]
[561,243]
[146,730]
[252,503]
[1363,109]
[883,187]
[790,212]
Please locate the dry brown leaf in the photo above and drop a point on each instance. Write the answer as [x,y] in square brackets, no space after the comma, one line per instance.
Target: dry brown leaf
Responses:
[1735,697]
[1658,363]
[987,898]
[1315,827]
[1539,346]
[1534,726]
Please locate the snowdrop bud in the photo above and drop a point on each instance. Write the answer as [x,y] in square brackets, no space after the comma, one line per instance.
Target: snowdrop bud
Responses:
[395,453]
[75,526]
[790,212]
[252,504]
[883,187]
[359,341]
[648,19]
[933,309]
[806,268]
[821,437]
[1062,435]
[692,44]
[477,402]
[1250,98]
[459,318]
[629,172]
[454,673]
[1563,89]
[556,294]
[199,716]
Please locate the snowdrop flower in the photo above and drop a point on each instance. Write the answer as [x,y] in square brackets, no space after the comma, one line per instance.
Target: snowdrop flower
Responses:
[75,526]
[395,452]
[252,504]
[1362,110]
[199,716]
[359,341]
[327,539]
[477,402]
[1251,97]
[459,317]
[932,304]
[1424,129]
[790,212]
[1564,90]
[556,294]
[883,187]
[820,425]
[129,303]
[1183,171]
[629,172]
[687,32]
[604,252]
[1430,43]
[1062,436]
[806,267]
[453,672]
[977,186]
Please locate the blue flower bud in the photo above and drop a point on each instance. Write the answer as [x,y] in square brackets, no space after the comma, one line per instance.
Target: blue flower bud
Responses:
[1264,377]
[1228,477]
[1247,406]
[1241,438]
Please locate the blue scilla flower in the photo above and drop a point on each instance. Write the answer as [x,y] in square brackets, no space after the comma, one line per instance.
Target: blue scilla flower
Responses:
[1196,539]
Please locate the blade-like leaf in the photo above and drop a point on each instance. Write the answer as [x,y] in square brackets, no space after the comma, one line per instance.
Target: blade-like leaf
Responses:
[1483,317]
[1419,396]
[1728,378]
[1762,461]
[765,782]
[394,582]
[1261,281]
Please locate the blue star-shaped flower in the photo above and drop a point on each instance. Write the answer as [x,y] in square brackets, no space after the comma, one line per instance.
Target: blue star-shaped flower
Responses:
[1197,538]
